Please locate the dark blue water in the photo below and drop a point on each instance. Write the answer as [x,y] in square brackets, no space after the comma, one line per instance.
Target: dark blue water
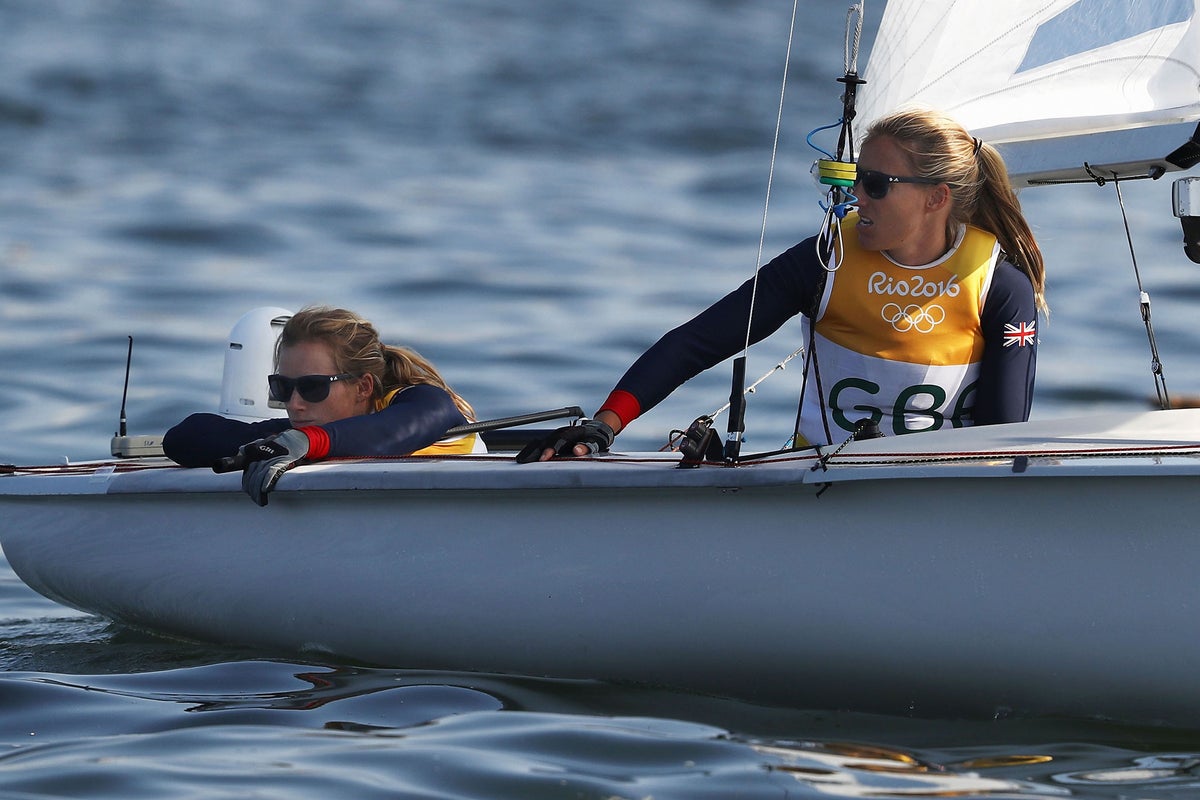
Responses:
[529,193]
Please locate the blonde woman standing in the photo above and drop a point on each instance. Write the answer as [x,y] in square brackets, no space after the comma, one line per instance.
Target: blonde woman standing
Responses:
[346,394]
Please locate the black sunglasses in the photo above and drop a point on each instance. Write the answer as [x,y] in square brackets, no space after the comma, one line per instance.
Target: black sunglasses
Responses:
[312,388]
[877,184]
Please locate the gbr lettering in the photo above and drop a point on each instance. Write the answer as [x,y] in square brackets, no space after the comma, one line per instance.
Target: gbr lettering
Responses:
[922,400]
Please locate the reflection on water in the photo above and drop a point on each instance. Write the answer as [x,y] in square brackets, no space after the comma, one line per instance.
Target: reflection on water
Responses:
[447,735]
[100,711]
[850,770]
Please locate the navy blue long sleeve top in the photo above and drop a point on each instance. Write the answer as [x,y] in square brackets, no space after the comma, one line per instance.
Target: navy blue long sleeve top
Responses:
[791,284]
[417,417]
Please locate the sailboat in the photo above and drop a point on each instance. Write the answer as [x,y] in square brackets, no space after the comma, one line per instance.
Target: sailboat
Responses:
[1043,567]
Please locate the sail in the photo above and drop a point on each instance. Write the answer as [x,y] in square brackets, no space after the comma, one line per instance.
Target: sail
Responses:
[1052,83]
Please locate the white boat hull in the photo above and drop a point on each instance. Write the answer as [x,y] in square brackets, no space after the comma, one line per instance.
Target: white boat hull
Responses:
[1044,567]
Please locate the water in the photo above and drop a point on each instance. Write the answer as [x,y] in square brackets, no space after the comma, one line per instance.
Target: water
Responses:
[528,193]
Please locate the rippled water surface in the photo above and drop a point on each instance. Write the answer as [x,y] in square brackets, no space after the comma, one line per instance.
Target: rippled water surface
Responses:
[91,710]
[529,193]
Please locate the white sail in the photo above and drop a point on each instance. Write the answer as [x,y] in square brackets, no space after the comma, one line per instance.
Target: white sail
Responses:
[1052,83]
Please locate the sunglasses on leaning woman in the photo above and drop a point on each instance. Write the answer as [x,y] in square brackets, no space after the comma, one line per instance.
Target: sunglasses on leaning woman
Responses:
[877,184]
[312,388]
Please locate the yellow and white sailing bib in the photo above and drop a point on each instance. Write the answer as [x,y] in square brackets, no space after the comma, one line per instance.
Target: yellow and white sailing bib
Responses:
[896,344]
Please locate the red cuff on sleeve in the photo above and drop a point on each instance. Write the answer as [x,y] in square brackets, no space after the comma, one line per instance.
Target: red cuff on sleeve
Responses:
[318,442]
[624,405]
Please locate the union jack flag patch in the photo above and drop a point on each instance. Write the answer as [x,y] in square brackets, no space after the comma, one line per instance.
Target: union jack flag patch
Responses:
[1020,335]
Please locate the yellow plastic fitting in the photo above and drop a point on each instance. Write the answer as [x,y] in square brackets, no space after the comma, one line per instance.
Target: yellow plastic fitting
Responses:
[836,173]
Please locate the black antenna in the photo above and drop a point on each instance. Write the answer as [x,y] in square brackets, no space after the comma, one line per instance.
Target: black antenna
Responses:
[125,393]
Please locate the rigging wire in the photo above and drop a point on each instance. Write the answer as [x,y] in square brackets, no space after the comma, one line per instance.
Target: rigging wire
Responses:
[752,387]
[1156,366]
[854,26]
[838,171]
[737,397]
[762,236]
[853,36]
[840,174]
[676,435]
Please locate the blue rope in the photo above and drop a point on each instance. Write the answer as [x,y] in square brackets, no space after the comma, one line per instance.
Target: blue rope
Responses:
[816,146]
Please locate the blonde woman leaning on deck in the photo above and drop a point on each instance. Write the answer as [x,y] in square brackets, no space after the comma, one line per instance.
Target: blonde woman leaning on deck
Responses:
[346,394]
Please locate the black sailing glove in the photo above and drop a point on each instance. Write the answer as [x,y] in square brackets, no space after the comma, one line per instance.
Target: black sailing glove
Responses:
[593,433]
[265,460]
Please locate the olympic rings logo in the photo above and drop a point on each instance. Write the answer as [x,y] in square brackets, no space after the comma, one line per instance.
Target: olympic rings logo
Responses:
[914,317]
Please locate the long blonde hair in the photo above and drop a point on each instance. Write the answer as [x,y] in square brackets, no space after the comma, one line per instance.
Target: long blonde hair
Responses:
[358,350]
[942,149]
